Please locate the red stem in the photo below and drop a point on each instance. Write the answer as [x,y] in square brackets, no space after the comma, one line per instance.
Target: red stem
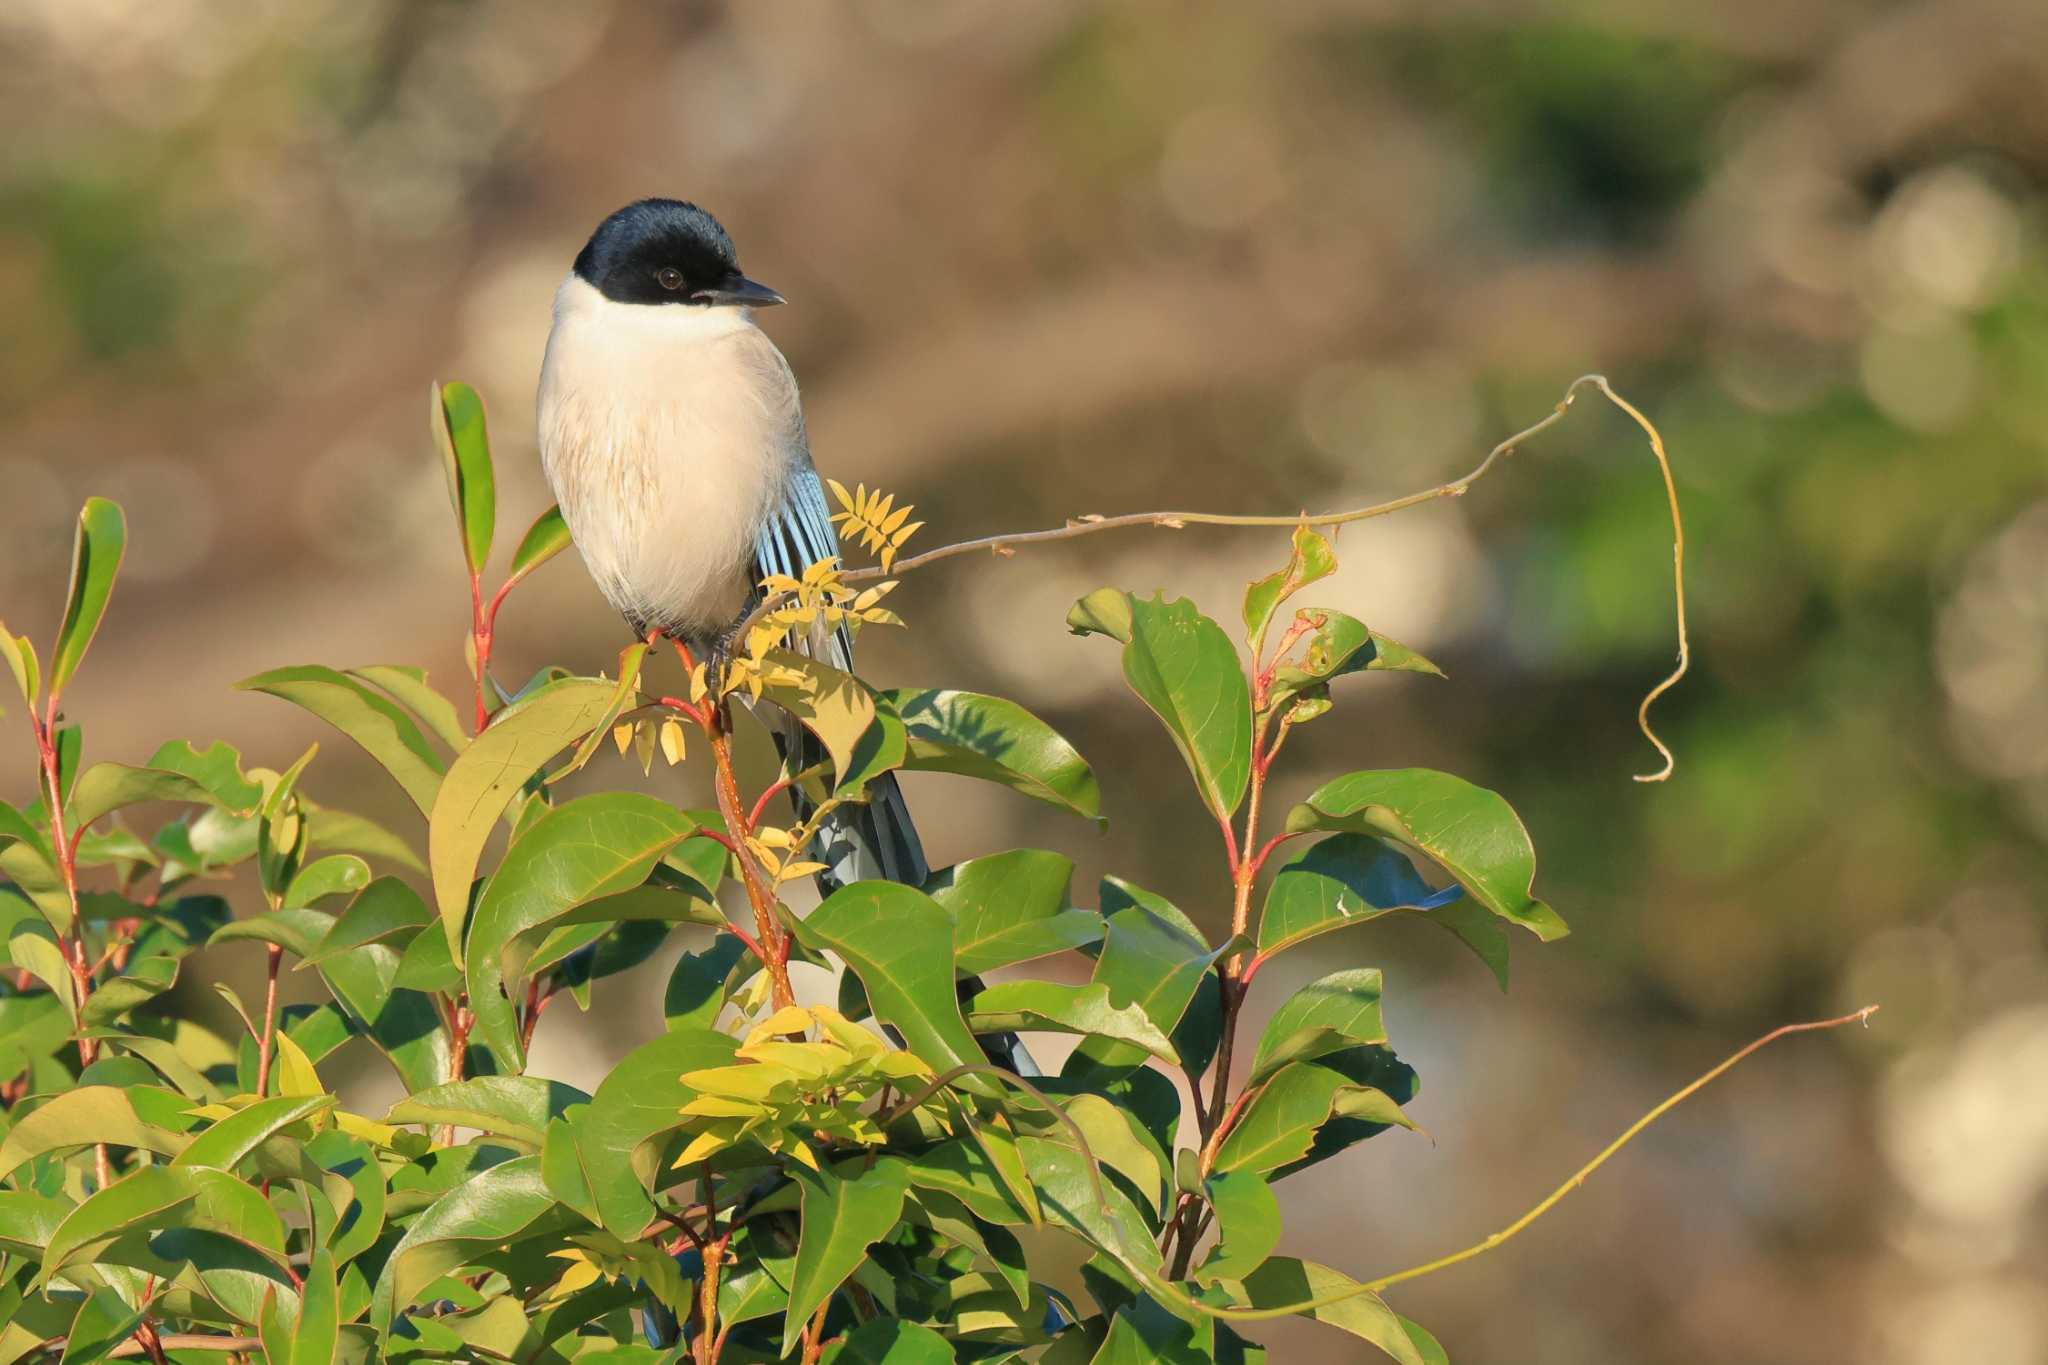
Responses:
[480,636]
[269,1039]
[761,804]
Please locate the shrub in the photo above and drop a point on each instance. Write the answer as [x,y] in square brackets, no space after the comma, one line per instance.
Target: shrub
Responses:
[759,1179]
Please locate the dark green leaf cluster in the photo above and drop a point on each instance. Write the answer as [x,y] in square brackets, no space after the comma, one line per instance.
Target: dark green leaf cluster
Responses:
[755,1181]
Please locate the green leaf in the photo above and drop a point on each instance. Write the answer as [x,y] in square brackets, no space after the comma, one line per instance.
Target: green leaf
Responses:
[386,733]
[546,538]
[703,981]
[102,1324]
[95,562]
[1022,1006]
[899,942]
[79,1118]
[486,775]
[27,1220]
[1067,1195]
[1281,1120]
[318,1334]
[385,910]
[175,772]
[1152,957]
[1310,558]
[349,833]
[485,1212]
[158,1197]
[890,1341]
[1182,665]
[145,979]
[513,1107]
[335,875]
[1338,645]
[595,846]
[1470,832]
[1247,1224]
[1341,1010]
[298,931]
[642,1097]
[458,422]
[409,688]
[32,946]
[1011,907]
[228,1141]
[1376,1069]
[997,741]
[841,1219]
[19,654]
[1284,1280]
[1345,879]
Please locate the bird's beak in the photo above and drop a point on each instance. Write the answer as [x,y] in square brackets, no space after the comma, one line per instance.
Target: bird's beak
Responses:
[737,291]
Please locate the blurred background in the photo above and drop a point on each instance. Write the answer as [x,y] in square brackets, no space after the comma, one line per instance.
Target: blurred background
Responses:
[1059,258]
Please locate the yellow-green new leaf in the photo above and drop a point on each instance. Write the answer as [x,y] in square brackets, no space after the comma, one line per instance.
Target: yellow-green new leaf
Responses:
[546,538]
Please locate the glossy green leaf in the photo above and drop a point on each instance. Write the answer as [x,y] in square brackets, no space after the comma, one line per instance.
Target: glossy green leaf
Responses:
[1338,645]
[1342,880]
[409,688]
[1121,1144]
[841,1219]
[79,1118]
[1182,665]
[102,1324]
[175,772]
[546,538]
[1151,957]
[457,417]
[157,1197]
[145,979]
[403,1024]
[229,1140]
[1011,907]
[594,846]
[345,832]
[1309,559]
[298,931]
[385,911]
[890,1341]
[95,562]
[32,946]
[485,776]
[385,732]
[1338,1011]
[338,874]
[642,1097]
[703,981]
[1284,1280]
[1067,1194]
[997,741]
[1247,1224]
[900,943]
[484,1212]
[513,1107]
[318,1335]
[1281,1120]
[1024,1006]
[1375,1069]
[1468,831]
[27,1220]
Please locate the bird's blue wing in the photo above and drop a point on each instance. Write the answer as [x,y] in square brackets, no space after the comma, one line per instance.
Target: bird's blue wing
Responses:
[797,535]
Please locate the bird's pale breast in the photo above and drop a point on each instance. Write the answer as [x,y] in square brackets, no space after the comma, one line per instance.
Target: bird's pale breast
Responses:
[666,433]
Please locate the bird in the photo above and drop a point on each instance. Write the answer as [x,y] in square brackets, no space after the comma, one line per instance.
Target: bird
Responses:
[672,435]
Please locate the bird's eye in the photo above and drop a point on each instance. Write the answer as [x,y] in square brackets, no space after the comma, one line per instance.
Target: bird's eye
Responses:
[668,277]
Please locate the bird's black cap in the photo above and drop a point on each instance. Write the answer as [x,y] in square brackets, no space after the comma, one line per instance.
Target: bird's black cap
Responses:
[665,251]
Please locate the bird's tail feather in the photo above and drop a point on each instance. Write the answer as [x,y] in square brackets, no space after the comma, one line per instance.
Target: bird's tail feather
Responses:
[876,839]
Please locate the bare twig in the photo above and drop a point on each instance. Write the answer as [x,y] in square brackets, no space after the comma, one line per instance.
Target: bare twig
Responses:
[1090,525]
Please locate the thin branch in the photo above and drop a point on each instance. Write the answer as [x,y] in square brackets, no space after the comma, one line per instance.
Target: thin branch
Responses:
[1549,1202]
[1087,526]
